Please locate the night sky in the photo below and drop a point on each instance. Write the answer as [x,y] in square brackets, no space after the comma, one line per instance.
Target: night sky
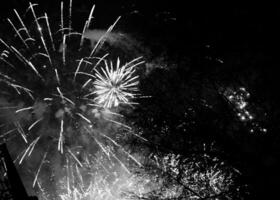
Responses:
[211,77]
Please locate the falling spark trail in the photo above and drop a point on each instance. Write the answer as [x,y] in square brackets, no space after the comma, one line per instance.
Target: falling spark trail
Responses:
[70,14]
[64,49]
[7,133]
[103,37]
[90,17]
[18,33]
[57,76]
[114,113]
[33,145]
[94,105]
[86,83]
[77,70]
[79,174]
[86,61]
[61,18]
[102,148]
[32,125]
[134,60]
[68,181]
[26,151]
[86,74]
[38,54]
[119,123]
[18,156]
[23,25]
[46,49]
[49,31]
[28,91]
[122,164]
[39,169]
[35,18]
[24,109]
[5,44]
[7,62]
[89,94]
[60,141]
[60,93]
[29,149]
[21,57]
[144,139]
[21,131]
[75,158]
[84,118]
[83,35]
[48,99]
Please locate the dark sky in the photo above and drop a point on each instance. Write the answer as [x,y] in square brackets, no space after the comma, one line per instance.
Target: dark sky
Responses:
[228,25]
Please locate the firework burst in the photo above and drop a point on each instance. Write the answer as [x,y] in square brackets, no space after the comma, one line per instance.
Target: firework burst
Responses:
[115,86]
[55,92]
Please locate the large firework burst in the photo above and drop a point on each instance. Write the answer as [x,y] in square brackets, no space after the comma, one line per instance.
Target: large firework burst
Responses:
[53,93]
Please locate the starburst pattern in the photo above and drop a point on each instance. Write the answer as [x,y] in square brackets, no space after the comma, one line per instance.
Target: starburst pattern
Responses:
[116,86]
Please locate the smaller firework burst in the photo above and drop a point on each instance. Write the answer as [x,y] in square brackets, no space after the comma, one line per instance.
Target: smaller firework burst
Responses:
[114,86]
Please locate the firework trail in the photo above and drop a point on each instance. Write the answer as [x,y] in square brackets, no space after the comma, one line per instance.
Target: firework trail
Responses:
[59,94]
